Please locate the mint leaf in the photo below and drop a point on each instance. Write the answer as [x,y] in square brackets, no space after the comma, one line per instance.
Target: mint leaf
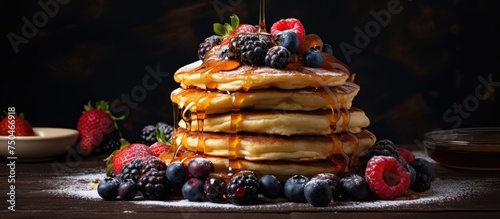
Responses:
[220,30]
[235,21]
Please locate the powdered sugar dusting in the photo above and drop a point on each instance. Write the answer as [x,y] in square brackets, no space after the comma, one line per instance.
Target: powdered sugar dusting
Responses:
[442,192]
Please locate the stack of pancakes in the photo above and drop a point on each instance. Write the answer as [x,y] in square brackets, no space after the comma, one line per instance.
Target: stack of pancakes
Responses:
[297,120]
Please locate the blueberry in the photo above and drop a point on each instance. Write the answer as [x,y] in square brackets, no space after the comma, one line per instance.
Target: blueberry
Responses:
[294,189]
[332,180]
[288,39]
[127,190]
[176,172]
[192,190]
[108,188]
[270,186]
[412,172]
[313,58]
[318,192]
[200,167]
[327,48]
[355,186]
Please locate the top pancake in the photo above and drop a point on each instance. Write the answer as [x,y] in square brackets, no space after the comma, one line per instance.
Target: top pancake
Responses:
[232,75]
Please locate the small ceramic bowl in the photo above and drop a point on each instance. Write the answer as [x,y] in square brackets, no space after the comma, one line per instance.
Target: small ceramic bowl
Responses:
[45,145]
[465,148]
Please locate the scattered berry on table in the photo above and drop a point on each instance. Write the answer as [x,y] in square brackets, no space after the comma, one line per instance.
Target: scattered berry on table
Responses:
[277,57]
[318,192]
[251,49]
[96,125]
[154,185]
[313,58]
[405,155]
[412,172]
[200,167]
[148,136]
[215,187]
[332,180]
[132,170]
[289,24]
[208,44]
[126,154]
[243,189]
[167,129]
[387,177]
[424,175]
[149,132]
[108,188]
[177,172]
[294,188]
[270,186]
[192,190]
[127,190]
[354,187]
[110,145]
[383,147]
[153,163]
[287,39]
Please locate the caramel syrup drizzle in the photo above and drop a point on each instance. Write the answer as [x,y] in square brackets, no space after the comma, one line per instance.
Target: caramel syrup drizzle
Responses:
[213,64]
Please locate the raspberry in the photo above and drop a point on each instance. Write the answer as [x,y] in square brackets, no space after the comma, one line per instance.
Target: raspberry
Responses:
[387,177]
[289,24]
[405,155]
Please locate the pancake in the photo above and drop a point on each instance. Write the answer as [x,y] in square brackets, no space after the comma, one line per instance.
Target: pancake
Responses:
[270,99]
[275,147]
[319,122]
[281,169]
[231,75]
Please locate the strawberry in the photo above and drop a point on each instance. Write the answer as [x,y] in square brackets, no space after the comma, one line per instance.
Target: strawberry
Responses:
[16,125]
[126,153]
[95,125]
[227,31]
[161,145]
[293,24]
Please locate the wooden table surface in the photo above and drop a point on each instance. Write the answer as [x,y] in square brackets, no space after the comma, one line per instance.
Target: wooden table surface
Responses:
[33,180]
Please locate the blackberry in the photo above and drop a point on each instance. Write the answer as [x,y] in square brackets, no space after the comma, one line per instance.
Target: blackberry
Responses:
[277,57]
[215,187]
[153,162]
[110,145]
[154,185]
[243,189]
[251,49]
[167,129]
[148,136]
[208,44]
[132,170]
[382,148]
[424,175]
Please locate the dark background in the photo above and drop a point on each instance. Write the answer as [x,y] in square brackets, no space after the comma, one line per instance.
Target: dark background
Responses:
[425,62]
